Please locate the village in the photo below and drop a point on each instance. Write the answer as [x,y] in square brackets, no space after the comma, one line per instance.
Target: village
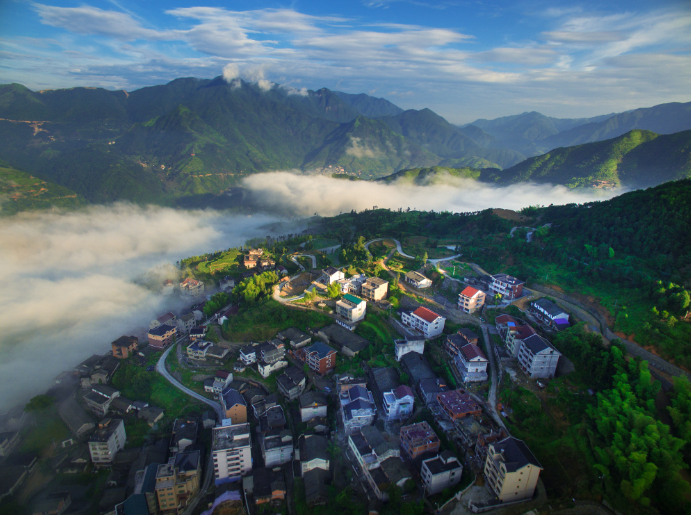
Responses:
[274,426]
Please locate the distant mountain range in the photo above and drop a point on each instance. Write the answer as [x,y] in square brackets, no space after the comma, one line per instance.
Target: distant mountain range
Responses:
[195,137]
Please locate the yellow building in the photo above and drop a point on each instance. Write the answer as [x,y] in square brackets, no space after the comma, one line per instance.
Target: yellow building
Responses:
[178,481]
[511,470]
[375,289]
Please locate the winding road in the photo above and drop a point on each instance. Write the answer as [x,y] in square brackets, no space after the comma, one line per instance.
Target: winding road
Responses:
[314,260]
[400,251]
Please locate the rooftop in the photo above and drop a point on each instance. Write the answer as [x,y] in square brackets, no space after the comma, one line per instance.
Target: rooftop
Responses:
[322,349]
[440,464]
[161,330]
[231,437]
[125,341]
[516,454]
[548,306]
[376,281]
[312,398]
[232,398]
[507,279]
[313,447]
[469,291]
[106,429]
[426,314]
[471,351]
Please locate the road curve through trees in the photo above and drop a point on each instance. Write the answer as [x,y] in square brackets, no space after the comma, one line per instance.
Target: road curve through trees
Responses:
[400,251]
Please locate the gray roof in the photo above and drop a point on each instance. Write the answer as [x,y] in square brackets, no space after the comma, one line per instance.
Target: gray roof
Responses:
[358,392]
[442,463]
[395,469]
[320,348]
[76,418]
[535,343]
[358,404]
[311,398]
[386,379]
[293,334]
[104,389]
[516,454]
[417,367]
[187,461]
[468,334]
[232,397]
[313,447]
[315,486]
[376,440]
[549,306]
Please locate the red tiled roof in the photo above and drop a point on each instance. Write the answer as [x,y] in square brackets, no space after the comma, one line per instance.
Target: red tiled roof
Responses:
[223,374]
[469,291]
[472,351]
[523,331]
[402,391]
[503,319]
[426,314]
[164,318]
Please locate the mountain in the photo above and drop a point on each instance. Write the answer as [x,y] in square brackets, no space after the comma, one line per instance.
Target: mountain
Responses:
[371,107]
[636,159]
[435,175]
[477,135]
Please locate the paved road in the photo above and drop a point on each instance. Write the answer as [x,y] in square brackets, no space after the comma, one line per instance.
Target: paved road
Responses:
[400,251]
[314,260]
[492,397]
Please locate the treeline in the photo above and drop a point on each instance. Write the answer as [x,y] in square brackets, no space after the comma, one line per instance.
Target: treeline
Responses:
[217,302]
[255,287]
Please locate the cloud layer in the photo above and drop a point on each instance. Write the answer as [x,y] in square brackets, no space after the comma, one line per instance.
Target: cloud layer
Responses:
[68,281]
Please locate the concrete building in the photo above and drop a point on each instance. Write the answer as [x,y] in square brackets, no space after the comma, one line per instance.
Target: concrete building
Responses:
[185,431]
[271,351]
[291,383]
[248,354]
[357,408]
[429,388]
[191,288]
[295,338]
[266,369]
[515,336]
[507,286]
[107,441]
[198,350]
[472,364]
[441,472]
[458,404]
[398,404]
[550,314]
[538,358]
[178,481]
[403,347]
[351,308]
[162,336]
[375,289]
[312,405]
[511,470]
[186,323]
[125,346]
[331,275]
[234,406]
[165,319]
[418,280]
[424,320]
[417,439]
[313,453]
[232,452]
[222,379]
[320,358]
[100,398]
[276,447]
[471,299]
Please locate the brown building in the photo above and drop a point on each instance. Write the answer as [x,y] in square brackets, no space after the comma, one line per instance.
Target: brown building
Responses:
[471,299]
[178,481]
[234,406]
[124,346]
[162,336]
[458,404]
[375,289]
[418,439]
[320,357]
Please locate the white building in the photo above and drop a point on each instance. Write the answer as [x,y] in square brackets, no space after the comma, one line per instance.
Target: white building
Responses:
[351,308]
[418,280]
[399,403]
[266,369]
[108,439]
[232,452]
[538,358]
[424,320]
[441,472]
[403,347]
[248,354]
[276,447]
[507,286]
[471,363]
[511,470]
[312,405]
[331,275]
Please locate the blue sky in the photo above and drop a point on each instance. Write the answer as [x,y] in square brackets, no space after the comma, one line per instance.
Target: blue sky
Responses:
[463,59]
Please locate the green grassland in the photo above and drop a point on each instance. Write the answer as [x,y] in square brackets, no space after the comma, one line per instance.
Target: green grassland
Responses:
[228,263]
[322,243]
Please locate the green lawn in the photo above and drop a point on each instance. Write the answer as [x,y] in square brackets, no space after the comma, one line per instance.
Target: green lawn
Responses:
[228,263]
[48,429]
[459,270]
[398,263]
[322,243]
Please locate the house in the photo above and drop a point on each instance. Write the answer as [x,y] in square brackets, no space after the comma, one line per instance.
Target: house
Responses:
[270,416]
[351,308]
[471,299]
[417,279]
[331,275]
[320,358]
[248,354]
[144,487]
[507,286]
[417,367]
[538,358]
[511,470]
[343,339]
[357,408]
[239,367]
[312,405]
[108,439]
[197,333]
[208,419]
[375,289]
[266,369]
[417,439]
[8,442]
[232,452]
[399,403]
[105,371]
[471,363]
[352,284]
[294,337]
[424,320]
[291,383]
[515,337]
[221,381]
[185,431]
[458,404]
[504,324]
[186,323]
[405,346]
[191,288]
[316,492]
[441,472]
[165,319]
[217,353]
[276,447]
[234,406]
[178,481]
[384,380]
[469,335]
[227,283]
[313,453]
[100,397]
[281,270]
[453,343]
[75,417]
[198,350]
[484,439]
[549,313]
[271,351]
[430,387]
[55,503]
[346,381]
[162,336]
[264,485]
[150,414]
[124,346]
[121,405]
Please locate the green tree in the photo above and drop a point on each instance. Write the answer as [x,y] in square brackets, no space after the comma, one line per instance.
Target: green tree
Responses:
[39,402]
[334,290]
[424,258]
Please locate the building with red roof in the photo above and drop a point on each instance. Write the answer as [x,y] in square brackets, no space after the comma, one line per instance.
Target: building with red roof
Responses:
[429,323]
[471,363]
[458,404]
[417,439]
[471,299]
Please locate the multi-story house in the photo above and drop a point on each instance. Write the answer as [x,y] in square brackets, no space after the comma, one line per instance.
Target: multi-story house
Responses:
[417,439]
[234,406]
[248,354]
[124,346]
[471,363]
[357,408]
[198,350]
[511,470]
[352,284]
[178,481]
[271,351]
[320,358]
[351,308]
[507,286]
[429,389]
[375,289]
[232,452]
[294,337]
[424,320]
[505,324]
[186,323]
[266,369]
[399,403]
[100,398]
[538,358]
[313,453]
[549,313]
[197,333]
[191,288]
[221,381]
[162,336]
[418,280]
[453,343]
[185,432]
[108,439]
[165,319]
[331,275]
[515,337]
[471,299]
[458,404]
[441,472]
[312,405]
[276,447]
[403,347]
[291,383]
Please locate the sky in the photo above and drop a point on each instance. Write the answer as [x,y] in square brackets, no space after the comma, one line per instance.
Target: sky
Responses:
[462,59]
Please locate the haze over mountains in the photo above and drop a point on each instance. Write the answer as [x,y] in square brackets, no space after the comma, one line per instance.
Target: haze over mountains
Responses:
[191,138]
